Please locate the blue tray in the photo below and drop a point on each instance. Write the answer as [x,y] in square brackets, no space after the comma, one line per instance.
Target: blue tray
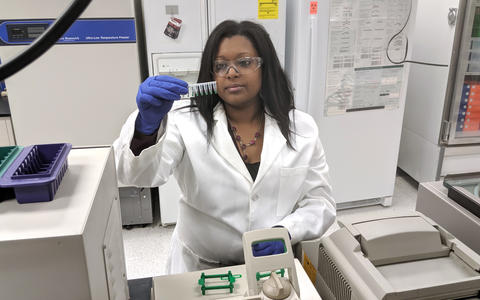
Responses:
[36,173]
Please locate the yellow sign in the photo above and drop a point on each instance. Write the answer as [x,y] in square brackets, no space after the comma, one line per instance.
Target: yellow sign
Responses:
[309,268]
[268,9]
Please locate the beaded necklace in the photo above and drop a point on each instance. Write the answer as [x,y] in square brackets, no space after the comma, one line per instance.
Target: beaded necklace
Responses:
[238,139]
[243,146]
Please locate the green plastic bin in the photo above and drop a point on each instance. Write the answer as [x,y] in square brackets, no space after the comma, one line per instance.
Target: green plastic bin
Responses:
[7,156]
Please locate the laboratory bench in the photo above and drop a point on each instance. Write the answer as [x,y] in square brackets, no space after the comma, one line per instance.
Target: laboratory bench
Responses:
[184,286]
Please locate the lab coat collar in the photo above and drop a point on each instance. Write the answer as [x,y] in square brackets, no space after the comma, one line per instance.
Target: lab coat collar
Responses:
[222,142]
[273,143]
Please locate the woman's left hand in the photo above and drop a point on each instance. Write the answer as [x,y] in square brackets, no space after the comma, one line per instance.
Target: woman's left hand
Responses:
[268,248]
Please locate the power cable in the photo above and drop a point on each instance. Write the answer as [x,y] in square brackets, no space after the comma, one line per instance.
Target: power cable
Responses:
[404,60]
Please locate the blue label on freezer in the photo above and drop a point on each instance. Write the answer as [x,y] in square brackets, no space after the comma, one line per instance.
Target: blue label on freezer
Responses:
[83,31]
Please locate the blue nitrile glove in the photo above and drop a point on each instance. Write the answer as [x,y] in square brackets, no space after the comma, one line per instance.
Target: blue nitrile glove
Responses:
[268,248]
[155,99]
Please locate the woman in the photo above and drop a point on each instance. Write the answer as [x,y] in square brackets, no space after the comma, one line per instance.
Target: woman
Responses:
[244,159]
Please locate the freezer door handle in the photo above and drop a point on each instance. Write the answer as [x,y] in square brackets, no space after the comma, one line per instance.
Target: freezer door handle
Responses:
[445,132]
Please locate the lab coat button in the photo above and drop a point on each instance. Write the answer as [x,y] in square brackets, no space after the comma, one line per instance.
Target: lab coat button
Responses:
[254,197]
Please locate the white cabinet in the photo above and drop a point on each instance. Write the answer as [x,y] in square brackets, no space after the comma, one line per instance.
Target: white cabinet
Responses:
[70,247]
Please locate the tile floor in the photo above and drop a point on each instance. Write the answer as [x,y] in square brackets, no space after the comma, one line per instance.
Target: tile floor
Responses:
[146,247]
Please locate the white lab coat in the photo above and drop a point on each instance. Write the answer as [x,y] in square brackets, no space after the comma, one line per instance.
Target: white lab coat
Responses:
[220,200]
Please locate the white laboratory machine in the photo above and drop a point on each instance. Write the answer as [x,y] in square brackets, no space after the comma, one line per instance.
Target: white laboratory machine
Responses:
[256,280]
[461,219]
[178,54]
[336,60]
[83,88]
[71,247]
[441,127]
[397,256]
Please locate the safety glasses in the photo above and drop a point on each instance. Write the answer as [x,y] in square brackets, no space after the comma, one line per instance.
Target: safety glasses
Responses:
[242,65]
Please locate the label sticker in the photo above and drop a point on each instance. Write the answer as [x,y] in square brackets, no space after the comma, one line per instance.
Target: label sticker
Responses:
[173,28]
[268,9]
[313,7]
[82,31]
[309,268]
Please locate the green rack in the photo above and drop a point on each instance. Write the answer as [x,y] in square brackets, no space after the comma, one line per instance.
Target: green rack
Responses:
[280,272]
[229,276]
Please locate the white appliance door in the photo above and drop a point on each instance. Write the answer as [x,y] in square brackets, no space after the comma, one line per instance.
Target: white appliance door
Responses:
[174,55]
[271,14]
[464,119]
[184,66]
[300,46]
[361,146]
[420,153]
[192,33]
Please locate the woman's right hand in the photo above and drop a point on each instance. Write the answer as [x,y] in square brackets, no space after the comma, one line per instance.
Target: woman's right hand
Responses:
[155,99]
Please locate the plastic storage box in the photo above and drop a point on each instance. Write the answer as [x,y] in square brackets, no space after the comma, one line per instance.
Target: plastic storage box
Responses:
[36,173]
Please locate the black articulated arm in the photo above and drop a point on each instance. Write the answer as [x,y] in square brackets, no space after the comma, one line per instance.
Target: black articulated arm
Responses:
[46,40]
